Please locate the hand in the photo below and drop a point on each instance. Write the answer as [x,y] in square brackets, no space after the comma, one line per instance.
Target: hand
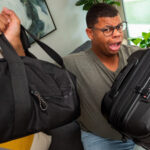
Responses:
[10,26]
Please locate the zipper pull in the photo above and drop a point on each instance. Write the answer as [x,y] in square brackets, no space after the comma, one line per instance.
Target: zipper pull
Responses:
[42,102]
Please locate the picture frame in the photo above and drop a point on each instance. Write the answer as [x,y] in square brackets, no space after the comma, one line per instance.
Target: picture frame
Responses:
[35,16]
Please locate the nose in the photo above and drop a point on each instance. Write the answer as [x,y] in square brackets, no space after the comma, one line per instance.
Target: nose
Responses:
[116,33]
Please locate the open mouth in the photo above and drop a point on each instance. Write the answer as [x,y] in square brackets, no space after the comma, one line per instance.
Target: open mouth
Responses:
[115,46]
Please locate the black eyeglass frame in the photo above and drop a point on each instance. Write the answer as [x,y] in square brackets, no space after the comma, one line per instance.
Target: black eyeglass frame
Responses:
[124,26]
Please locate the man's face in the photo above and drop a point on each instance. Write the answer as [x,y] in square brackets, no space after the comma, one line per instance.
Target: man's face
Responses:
[106,44]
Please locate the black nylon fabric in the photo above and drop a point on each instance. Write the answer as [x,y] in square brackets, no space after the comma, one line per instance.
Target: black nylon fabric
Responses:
[67,137]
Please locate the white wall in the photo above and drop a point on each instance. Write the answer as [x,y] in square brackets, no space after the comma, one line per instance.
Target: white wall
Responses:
[70,33]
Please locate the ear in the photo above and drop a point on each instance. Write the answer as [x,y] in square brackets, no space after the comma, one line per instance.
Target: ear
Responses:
[89,33]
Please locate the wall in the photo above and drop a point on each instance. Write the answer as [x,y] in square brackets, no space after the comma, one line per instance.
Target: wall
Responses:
[70,33]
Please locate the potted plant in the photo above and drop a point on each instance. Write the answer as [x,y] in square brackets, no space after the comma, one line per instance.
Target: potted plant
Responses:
[143,41]
[88,3]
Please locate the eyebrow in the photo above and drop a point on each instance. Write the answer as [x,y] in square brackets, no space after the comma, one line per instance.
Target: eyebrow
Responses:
[107,26]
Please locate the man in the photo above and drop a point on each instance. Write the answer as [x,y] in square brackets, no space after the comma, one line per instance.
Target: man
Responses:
[96,70]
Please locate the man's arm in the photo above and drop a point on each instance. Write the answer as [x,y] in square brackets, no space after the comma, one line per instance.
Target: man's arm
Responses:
[10,26]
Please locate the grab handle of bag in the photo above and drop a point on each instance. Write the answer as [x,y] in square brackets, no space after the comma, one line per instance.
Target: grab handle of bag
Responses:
[55,56]
[122,76]
[18,80]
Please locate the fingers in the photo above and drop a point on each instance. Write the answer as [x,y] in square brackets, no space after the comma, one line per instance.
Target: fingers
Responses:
[11,14]
[9,24]
[4,21]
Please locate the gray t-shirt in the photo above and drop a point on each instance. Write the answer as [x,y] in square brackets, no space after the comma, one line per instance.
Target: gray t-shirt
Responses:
[93,81]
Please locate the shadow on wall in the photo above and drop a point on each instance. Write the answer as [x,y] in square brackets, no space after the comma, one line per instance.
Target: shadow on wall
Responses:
[86,45]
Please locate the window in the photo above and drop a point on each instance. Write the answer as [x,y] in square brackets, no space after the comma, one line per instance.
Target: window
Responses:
[137,14]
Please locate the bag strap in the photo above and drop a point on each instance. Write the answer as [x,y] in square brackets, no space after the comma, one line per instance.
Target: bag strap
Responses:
[55,56]
[19,85]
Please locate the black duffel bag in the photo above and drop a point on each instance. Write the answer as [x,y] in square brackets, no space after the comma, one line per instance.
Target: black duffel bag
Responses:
[35,95]
[127,105]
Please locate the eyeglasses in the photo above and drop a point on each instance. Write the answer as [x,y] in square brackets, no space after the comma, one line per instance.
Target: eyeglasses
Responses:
[109,30]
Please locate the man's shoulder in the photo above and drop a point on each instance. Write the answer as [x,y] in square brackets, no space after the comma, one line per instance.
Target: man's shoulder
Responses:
[76,57]
[129,49]
[73,56]
[75,60]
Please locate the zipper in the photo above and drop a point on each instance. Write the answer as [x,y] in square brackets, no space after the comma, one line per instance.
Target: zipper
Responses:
[121,110]
[42,103]
[129,110]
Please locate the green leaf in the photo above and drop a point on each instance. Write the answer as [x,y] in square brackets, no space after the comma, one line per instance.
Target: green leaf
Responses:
[136,41]
[99,1]
[108,1]
[81,2]
[87,6]
[143,44]
[88,3]
[148,45]
[145,35]
[148,40]
[116,3]
[112,2]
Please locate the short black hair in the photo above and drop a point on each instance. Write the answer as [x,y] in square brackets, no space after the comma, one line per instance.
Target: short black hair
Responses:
[99,10]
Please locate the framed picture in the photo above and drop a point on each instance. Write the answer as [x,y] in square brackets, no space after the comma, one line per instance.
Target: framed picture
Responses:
[34,15]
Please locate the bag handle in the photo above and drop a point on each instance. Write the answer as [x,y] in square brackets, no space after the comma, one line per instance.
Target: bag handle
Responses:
[18,80]
[55,56]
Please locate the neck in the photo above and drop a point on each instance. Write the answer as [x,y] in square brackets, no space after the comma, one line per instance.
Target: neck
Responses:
[111,62]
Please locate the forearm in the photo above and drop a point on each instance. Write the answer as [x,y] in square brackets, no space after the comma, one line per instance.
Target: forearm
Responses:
[18,48]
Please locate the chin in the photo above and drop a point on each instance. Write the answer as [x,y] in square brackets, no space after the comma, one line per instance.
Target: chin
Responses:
[113,52]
